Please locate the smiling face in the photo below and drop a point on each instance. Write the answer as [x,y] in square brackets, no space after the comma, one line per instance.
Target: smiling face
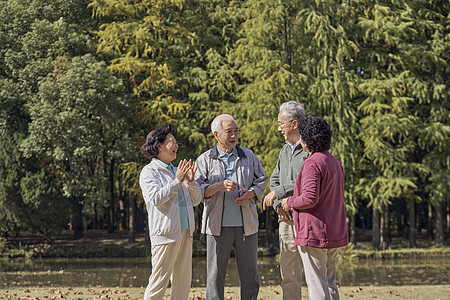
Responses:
[288,128]
[227,137]
[167,150]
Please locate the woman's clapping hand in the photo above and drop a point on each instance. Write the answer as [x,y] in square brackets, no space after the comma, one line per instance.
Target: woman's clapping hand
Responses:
[186,170]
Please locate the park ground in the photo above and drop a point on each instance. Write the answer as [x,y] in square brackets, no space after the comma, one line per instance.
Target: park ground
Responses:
[99,244]
[434,292]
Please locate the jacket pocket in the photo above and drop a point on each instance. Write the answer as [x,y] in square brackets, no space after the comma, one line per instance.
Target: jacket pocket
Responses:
[302,229]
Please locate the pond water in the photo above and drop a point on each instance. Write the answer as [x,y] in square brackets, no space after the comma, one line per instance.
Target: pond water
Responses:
[134,272]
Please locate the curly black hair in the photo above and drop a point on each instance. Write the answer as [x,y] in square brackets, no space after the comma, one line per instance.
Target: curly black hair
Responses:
[159,135]
[315,133]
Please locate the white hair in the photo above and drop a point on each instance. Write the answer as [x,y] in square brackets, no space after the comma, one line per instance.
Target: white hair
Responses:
[293,111]
[216,124]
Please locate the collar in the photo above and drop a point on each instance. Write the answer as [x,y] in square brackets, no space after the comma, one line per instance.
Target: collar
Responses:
[216,154]
[167,166]
[293,146]
[224,154]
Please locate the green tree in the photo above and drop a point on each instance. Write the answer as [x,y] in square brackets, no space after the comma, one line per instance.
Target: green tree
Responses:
[79,126]
[44,44]
[404,122]
[304,51]
[427,59]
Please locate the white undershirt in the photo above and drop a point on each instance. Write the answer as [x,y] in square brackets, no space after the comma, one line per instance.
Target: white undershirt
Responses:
[293,146]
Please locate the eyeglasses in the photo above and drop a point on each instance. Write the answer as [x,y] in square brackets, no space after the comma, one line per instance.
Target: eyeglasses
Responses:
[282,125]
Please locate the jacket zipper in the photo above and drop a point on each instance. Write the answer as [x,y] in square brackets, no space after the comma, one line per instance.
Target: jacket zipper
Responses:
[240,206]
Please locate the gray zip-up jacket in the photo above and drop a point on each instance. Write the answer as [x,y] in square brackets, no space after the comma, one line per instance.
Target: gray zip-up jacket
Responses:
[250,176]
[160,190]
[283,178]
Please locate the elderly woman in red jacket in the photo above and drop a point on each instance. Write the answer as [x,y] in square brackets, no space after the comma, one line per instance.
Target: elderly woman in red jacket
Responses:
[319,213]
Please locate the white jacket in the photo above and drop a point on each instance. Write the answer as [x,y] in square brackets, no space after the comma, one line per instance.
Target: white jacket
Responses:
[160,190]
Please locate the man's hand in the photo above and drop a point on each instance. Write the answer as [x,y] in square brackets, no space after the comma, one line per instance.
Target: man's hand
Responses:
[221,186]
[269,199]
[283,215]
[285,205]
[228,185]
[246,195]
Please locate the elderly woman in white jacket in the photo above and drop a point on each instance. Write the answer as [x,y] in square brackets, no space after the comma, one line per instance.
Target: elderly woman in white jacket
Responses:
[170,194]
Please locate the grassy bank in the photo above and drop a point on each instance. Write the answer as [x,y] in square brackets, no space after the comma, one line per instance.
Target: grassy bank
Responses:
[100,244]
[434,292]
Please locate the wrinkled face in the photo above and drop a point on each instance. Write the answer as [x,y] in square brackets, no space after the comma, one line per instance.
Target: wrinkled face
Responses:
[227,137]
[287,127]
[167,151]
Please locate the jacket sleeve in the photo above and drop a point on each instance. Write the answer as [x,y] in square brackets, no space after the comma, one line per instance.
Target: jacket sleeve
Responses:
[195,193]
[309,193]
[201,176]
[283,190]
[259,179]
[275,185]
[153,190]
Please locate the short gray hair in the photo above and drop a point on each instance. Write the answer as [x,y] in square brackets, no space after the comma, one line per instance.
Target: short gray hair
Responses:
[293,111]
[216,124]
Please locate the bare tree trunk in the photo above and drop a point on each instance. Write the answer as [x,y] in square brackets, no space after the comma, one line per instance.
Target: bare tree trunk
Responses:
[375,228]
[112,197]
[95,217]
[77,218]
[124,203]
[382,228]
[268,228]
[430,221]
[400,214]
[122,214]
[447,215]
[132,220]
[387,219]
[352,229]
[412,223]
[440,236]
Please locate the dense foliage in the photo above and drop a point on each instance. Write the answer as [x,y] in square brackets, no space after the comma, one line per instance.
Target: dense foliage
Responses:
[82,82]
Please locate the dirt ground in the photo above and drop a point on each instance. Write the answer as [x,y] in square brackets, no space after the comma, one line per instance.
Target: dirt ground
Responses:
[437,292]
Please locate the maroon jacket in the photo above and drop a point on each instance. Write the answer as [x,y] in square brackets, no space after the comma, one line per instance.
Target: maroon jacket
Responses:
[318,203]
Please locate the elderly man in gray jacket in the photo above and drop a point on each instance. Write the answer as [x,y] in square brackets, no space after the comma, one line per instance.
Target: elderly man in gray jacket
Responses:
[282,184]
[232,181]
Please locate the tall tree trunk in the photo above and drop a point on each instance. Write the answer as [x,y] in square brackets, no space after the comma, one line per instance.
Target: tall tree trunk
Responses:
[400,214]
[132,220]
[440,236]
[125,203]
[447,215]
[122,213]
[268,228]
[111,198]
[430,226]
[375,228]
[77,218]
[95,217]
[353,228]
[387,221]
[148,243]
[382,227]
[412,223]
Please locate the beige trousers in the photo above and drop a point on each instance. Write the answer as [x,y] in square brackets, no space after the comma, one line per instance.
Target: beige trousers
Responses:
[172,262]
[290,263]
[320,272]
